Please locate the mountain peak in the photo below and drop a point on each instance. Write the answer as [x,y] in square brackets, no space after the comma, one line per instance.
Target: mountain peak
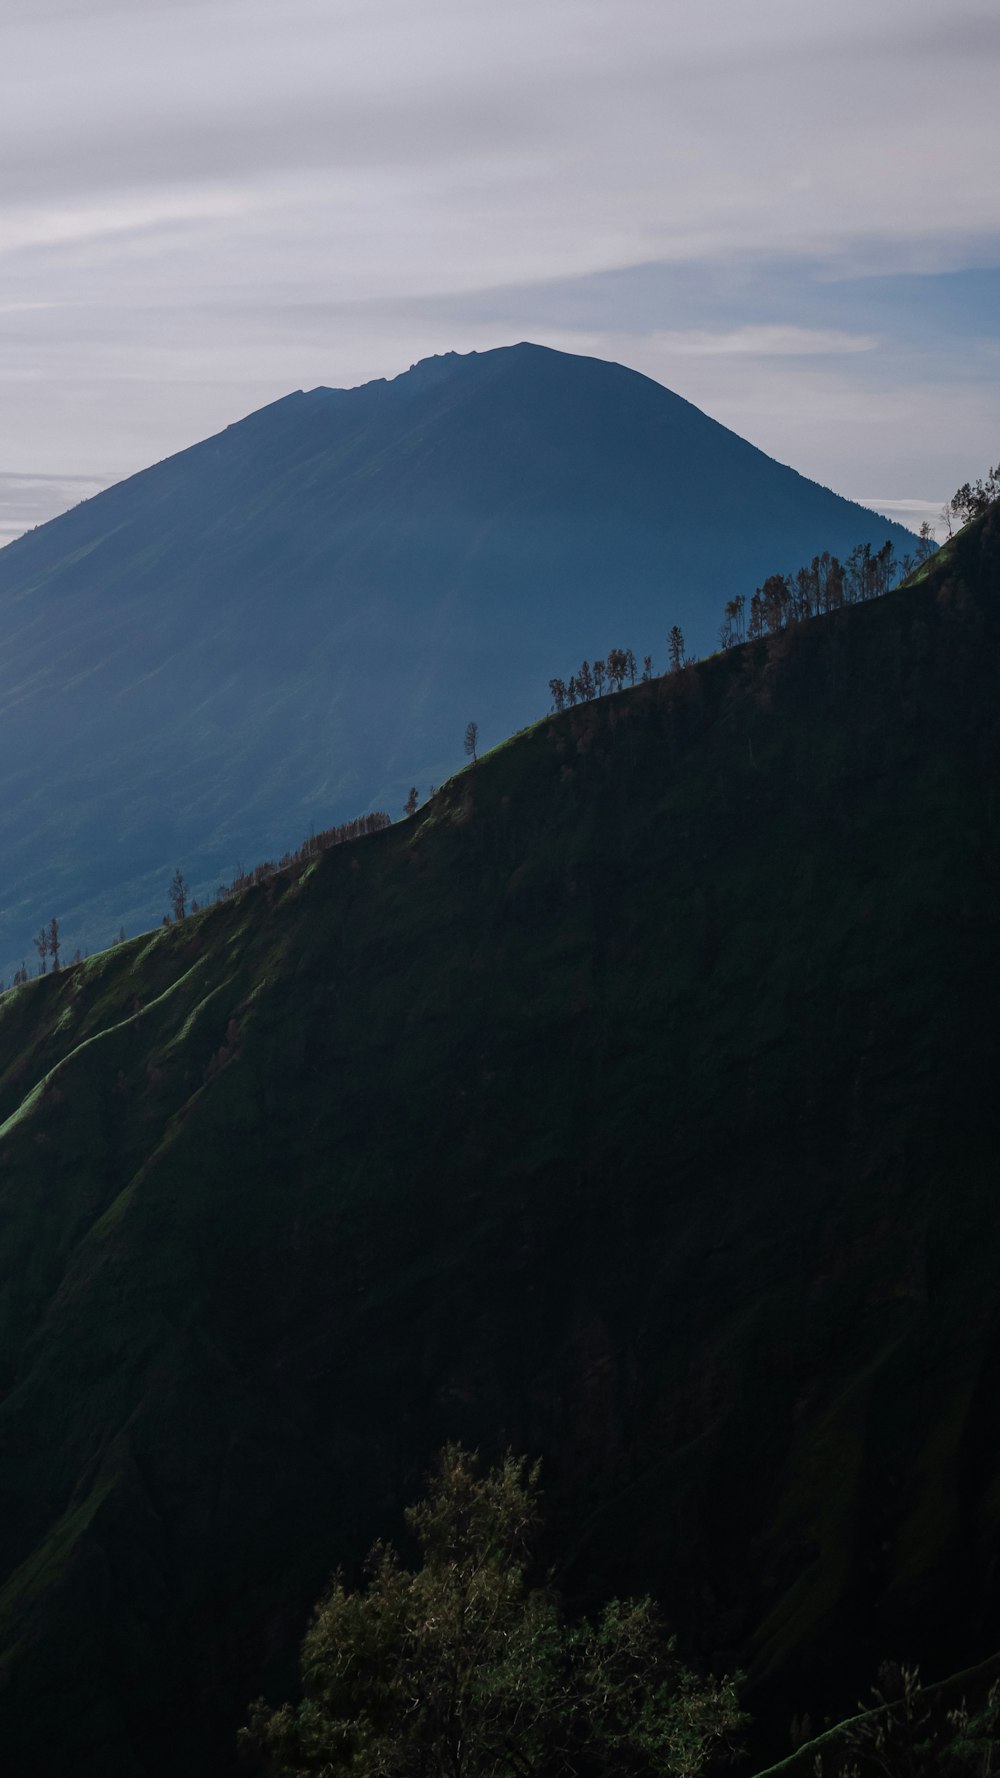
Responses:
[443,367]
[426,372]
[387,561]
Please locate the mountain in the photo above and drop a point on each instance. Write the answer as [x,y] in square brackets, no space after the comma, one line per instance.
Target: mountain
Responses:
[633,1105]
[293,622]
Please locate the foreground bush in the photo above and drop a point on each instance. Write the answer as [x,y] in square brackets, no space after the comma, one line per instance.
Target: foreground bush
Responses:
[461,1670]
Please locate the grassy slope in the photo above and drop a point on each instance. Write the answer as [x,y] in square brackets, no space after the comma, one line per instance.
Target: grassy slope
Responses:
[633,1104]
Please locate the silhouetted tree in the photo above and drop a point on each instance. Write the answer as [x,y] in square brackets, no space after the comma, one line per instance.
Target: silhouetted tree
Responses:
[410,805]
[42,947]
[972,499]
[775,600]
[927,545]
[733,630]
[823,567]
[804,591]
[675,648]
[471,737]
[585,682]
[647,667]
[885,570]
[558,690]
[825,584]
[54,942]
[374,822]
[178,895]
[630,665]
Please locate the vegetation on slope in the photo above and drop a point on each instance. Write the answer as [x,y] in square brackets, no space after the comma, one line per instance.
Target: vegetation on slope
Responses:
[463,1669]
[632,1105]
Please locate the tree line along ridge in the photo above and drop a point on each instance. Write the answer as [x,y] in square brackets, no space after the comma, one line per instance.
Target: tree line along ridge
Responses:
[825,584]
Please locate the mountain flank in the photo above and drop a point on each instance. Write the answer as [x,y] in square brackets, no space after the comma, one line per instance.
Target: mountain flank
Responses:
[632,1105]
[291,623]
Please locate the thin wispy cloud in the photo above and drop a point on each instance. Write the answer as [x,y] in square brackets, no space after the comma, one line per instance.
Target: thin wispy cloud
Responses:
[910,512]
[765,342]
[27,500]
[205,205]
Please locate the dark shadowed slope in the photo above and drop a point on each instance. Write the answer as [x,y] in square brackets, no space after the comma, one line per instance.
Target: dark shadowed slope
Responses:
[634,1104]
[293,622]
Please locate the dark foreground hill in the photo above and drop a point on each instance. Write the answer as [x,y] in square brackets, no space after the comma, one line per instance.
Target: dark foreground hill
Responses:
[635,1105]
[293,622]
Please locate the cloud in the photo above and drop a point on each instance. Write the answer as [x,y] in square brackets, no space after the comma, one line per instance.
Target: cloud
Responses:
[22,228]
[764,342]
[912,513]
[661,127]
[204,203]
[27,500]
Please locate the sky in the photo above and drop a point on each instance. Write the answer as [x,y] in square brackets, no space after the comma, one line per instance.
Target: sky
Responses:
[787,212]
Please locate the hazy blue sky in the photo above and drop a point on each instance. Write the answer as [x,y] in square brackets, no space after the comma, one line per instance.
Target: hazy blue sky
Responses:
[786,211]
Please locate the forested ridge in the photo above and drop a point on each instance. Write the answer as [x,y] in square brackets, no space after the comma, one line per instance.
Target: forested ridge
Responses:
[631,1105]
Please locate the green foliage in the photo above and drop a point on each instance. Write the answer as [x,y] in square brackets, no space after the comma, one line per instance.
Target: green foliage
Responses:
[464,1671]
[974,1750]
[909,1732]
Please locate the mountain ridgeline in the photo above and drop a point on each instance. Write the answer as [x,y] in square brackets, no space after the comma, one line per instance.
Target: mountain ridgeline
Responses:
[633,1106]
[291,623]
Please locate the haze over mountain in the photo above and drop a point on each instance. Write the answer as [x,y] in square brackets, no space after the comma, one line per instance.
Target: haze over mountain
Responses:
[632,1105]
[293,621]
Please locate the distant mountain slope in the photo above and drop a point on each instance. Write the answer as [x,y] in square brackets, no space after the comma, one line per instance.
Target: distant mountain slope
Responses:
[292,622]
[634,1104]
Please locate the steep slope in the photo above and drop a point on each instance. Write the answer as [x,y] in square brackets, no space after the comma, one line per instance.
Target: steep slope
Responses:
[634,1104]
[293,622]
